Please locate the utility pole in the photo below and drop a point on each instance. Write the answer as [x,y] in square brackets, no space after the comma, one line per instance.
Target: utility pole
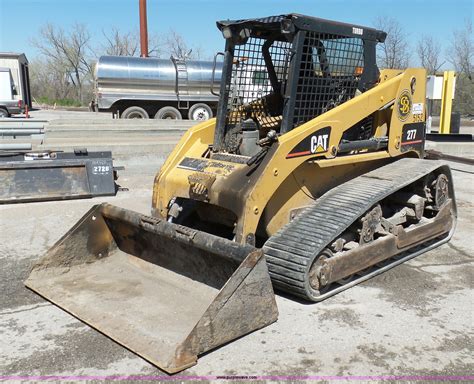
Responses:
[143,29]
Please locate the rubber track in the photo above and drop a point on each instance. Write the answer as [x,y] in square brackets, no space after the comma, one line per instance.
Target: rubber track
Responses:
[291,251]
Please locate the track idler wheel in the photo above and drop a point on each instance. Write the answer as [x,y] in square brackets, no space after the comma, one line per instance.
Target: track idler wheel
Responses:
[441,190]
[436,191]
[317,274]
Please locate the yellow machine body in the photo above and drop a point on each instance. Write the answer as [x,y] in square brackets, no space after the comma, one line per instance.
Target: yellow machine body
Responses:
[264,199]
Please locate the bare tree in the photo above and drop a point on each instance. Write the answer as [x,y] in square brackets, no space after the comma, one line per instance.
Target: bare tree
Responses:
[119,43]
[48,81]
[176,46]
[394,52]
[461,52]
[155,44]
[461,56]
[67,51]
[429,51]
[65,69]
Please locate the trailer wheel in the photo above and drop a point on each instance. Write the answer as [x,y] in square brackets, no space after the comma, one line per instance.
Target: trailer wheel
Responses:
[3,113]
[199,112]
[134,113]
[168,113]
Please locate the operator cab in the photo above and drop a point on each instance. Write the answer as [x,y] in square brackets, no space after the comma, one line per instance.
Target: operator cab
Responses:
[282,71]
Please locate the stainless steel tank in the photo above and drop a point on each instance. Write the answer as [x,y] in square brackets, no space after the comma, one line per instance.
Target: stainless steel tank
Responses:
[122,77]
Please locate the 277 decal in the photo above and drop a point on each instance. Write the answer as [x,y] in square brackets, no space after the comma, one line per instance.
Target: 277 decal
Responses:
[413,136]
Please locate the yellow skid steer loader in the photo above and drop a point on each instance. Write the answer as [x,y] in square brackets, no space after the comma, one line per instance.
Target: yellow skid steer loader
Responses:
[311,179]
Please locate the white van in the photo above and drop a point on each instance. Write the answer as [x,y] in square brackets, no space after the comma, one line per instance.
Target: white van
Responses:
[9,105]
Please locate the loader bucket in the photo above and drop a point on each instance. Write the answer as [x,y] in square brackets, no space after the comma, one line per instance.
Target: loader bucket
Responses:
[164,291]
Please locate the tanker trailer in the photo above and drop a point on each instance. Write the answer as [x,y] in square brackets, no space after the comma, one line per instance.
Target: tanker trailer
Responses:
[140,88]
[136,87]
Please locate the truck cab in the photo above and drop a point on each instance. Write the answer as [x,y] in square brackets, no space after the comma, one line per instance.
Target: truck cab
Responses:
[9,105]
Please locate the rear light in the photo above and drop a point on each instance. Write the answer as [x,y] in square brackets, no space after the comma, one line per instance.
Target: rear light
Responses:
[20,103]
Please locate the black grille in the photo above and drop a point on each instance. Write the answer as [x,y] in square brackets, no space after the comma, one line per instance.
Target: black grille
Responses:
[329,74]
[250,82]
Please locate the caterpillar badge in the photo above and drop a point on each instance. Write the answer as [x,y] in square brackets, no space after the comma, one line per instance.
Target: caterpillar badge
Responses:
[311,185]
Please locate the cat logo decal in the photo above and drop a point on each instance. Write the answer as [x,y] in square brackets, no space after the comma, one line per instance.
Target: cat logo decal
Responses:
[316,143]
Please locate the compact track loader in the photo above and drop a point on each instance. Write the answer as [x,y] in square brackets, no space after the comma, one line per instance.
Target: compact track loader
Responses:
[311,182]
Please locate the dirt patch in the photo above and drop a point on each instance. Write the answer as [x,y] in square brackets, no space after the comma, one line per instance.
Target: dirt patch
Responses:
[378,355]
[12,275]
[302,350]
[342,316]
[460,343]
[409,289]
[71,353]
[451,369]
[306,367]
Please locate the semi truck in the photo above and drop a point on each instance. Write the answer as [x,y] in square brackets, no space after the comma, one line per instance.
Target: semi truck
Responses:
[142,88]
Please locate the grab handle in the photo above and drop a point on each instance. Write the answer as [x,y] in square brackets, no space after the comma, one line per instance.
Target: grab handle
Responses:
[214,72]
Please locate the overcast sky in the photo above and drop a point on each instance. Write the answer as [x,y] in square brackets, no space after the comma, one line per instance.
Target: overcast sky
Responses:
[20,20]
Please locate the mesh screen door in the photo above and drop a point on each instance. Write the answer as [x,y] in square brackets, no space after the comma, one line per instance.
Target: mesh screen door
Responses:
[250,82]
[325,73]
[330,69]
